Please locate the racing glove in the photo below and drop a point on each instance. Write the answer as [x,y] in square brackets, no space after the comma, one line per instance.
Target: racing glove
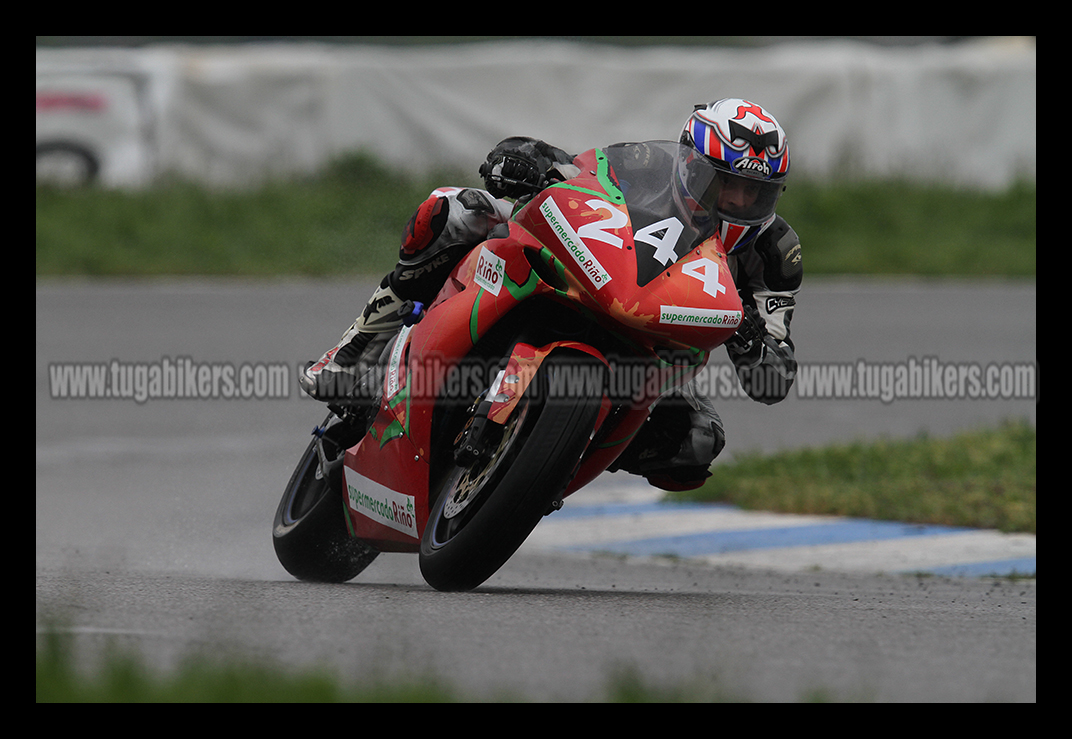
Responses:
[765,366]
[519,166]
[749,336]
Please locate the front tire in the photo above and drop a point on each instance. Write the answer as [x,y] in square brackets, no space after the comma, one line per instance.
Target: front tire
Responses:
[485,511]
[310,535]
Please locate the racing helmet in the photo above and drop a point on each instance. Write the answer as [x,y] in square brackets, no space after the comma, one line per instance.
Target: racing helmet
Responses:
[750,151]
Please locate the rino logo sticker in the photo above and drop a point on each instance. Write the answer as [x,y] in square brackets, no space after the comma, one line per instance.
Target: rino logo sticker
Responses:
[490,271]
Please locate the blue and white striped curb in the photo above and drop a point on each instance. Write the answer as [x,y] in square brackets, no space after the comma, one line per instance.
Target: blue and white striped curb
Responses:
[723,534]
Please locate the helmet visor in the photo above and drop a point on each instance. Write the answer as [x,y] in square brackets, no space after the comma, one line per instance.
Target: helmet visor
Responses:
[743,200]
[734,197]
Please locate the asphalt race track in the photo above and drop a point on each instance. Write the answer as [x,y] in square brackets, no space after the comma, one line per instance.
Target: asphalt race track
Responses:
[154,515]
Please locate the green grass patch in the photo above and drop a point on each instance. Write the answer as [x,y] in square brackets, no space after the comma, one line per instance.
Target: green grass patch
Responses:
[982,479]
[349,220]
[884,227]
[121,676]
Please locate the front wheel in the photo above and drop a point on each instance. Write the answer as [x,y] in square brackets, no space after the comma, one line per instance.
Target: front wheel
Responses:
[484,511]
[310,535]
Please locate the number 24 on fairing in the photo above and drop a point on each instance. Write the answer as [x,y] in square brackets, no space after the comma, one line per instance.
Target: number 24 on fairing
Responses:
[705,270]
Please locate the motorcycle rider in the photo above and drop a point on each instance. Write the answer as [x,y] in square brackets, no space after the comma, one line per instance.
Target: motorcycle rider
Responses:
[683,434]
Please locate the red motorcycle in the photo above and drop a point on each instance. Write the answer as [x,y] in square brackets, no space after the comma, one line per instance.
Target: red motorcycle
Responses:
[525,379]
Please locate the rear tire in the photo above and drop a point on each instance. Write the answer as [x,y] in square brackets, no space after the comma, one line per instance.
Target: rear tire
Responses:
[310,535]
[484,512]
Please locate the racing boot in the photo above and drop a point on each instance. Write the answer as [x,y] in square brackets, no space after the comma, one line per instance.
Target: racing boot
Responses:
[337,375]
[674,448]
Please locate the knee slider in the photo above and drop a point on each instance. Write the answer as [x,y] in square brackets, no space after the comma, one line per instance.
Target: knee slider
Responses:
[425,226]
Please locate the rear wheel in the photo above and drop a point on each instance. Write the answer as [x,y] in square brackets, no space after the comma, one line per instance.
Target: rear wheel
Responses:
[310,535]
[485,510]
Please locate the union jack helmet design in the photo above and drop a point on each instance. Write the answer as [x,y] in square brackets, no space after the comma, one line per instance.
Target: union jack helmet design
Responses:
[750,148]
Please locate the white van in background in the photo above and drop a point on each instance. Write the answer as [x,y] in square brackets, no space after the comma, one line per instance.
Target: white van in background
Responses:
[94,126]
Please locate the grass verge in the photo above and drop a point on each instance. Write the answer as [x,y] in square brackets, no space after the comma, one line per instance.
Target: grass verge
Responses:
[895,227]
[123,677]
[982,479]
[349,220]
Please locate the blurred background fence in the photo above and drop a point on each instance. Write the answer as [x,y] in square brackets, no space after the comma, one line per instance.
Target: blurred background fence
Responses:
[236,113]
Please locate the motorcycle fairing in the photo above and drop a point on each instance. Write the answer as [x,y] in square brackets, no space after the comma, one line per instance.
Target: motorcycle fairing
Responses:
[677,293]
[388,519]
[383,478]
